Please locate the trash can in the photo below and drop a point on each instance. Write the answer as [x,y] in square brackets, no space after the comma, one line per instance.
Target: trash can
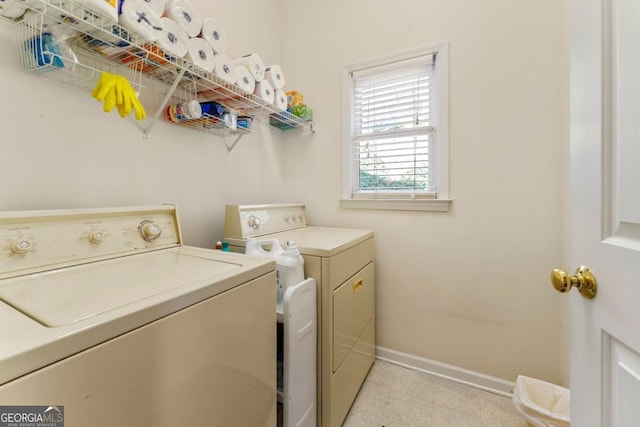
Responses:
[543,404]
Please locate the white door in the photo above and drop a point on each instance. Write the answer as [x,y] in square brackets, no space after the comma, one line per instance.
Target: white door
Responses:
[605,205]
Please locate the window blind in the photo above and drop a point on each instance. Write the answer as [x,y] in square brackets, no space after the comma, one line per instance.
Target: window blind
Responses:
[393,131]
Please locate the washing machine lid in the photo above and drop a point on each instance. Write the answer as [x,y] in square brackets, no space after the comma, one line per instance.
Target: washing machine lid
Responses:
[47,316]
[68,295]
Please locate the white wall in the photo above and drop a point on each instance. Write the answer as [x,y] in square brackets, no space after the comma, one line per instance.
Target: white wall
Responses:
[60,150]
[469,287]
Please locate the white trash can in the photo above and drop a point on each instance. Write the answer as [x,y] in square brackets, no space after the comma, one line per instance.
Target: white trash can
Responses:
[542,404]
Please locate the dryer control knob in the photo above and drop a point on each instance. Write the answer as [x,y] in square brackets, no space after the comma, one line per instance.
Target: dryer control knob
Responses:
[254,222]
[96,236]
[20,246]
[150,231]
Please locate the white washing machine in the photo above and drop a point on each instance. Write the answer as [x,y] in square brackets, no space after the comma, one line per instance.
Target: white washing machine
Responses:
[341,260]
[105,313]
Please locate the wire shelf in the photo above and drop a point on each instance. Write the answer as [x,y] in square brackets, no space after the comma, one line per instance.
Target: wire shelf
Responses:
[91,44]
[219,124]
[39,53]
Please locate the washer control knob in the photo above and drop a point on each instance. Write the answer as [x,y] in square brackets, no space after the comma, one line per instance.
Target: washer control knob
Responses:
[149,231]
[20,246]
[287,216]
[96,236]
[254,222]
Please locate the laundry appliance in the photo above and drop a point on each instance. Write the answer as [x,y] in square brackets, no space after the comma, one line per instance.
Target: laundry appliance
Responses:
[105,313]
[341,260]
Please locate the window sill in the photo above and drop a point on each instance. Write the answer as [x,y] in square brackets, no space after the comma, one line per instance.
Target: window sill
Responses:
[433,205]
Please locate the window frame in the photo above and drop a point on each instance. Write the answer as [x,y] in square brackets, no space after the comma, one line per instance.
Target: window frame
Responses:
[441,201]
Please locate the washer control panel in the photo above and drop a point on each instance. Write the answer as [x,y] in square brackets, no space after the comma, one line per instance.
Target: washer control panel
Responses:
[243,221]
[39,240]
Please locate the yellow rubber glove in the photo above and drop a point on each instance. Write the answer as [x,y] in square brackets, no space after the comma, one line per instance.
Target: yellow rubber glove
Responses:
[140,113]
[115,90]
[106,83]
[130,100]
[110,100]
[98,87]
[119,90]
[122,100]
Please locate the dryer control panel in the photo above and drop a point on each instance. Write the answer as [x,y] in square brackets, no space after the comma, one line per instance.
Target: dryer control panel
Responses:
[243,221]
[32,241]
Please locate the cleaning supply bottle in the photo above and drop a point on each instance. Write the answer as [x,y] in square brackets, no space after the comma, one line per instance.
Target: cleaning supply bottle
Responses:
[268,248]
[291,266]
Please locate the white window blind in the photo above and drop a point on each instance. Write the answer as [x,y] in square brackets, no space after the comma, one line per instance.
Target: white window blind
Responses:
[394,136]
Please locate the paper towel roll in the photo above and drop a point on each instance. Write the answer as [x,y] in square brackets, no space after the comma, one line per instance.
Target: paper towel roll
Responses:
[200,53]
[173,40]
[156,6]
[11,9]
[264,91]
[275,76]
[280,100]
[225,69]
[138,18]
[186,15]
[244,79]
[254,63]
[213,33]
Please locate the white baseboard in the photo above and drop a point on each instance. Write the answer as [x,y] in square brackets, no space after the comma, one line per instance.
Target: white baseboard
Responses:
[443,370]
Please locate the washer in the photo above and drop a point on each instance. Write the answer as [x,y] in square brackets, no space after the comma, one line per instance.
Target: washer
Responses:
[341,261]
[105,312]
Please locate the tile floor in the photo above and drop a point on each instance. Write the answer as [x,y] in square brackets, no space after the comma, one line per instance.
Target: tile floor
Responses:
[394,396]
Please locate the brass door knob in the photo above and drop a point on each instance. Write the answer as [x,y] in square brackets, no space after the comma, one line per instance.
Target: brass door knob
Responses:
[583,279]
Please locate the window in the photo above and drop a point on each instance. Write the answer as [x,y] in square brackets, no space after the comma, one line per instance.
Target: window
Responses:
[396,132]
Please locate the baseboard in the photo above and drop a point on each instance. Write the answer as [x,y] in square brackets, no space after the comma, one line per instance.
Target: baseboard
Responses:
[443,370]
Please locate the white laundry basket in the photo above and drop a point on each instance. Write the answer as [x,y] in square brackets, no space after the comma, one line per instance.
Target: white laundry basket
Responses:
[542,404]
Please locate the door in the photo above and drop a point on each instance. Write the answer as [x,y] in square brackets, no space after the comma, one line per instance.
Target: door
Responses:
[605,211]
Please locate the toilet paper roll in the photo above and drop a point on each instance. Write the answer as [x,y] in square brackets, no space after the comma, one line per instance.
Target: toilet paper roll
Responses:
[280,99]
[11,9]
[264,91]
[173,40]
[244,79]
[200,53]
[156,6]
[214,34]
[186,15]
[138,18]
[254,63]
[275,76]
[225,69]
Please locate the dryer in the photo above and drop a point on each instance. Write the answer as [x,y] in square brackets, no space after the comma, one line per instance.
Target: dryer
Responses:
[105,313]
[341,260]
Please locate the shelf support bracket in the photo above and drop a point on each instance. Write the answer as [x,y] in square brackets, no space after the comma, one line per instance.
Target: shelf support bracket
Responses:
[163,104]
[232,146]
